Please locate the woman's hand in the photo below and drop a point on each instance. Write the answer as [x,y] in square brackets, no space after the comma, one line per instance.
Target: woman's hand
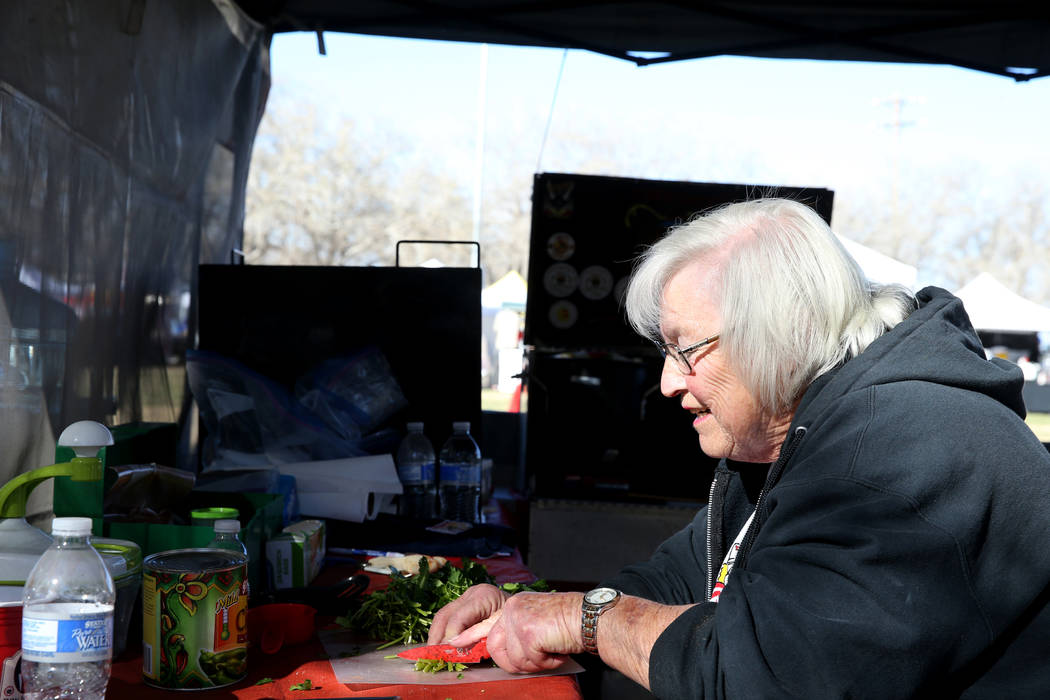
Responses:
[535,631]
[469,617]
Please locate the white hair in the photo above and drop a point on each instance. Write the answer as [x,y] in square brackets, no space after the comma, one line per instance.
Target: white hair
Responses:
[793,304]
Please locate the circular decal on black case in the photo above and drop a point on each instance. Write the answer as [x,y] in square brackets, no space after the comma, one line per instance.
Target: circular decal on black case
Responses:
[563,314]
[560,280]
[561,246]
[596,282]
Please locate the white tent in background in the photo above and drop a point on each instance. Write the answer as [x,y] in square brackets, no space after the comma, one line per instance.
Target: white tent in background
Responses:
[878,267]
[507,292]
[993,307]
[502,306]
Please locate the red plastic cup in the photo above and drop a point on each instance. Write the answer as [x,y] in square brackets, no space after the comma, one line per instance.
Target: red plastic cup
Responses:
[10,630]
[274,625]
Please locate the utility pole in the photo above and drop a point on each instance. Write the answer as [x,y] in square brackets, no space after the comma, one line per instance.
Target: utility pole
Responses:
[479,145]
[897,123]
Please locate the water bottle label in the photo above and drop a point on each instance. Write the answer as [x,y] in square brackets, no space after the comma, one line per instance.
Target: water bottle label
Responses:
[461,474]
[86,638]
[416,473]
[428,472]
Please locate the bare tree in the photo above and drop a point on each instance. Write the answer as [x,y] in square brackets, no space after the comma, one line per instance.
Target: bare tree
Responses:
[333,194]
[323,194]
[954,224]
[320,194]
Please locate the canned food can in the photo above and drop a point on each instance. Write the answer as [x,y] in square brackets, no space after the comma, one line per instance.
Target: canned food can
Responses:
[194,618]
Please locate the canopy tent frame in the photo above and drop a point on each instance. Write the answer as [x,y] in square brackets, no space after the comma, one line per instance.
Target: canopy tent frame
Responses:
[1010,39]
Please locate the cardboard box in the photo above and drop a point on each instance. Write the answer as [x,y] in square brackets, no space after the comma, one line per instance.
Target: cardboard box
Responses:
[296,553]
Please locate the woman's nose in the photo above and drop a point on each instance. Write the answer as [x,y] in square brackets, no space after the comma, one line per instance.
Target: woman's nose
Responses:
[672,382]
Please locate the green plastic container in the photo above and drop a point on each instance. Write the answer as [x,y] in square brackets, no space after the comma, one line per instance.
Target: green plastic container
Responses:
[206,517]
[123,558]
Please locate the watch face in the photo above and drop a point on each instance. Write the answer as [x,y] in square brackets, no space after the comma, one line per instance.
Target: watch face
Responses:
[600,596]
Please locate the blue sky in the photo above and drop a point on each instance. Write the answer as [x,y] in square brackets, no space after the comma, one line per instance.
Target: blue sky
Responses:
[807,119]
[725,119]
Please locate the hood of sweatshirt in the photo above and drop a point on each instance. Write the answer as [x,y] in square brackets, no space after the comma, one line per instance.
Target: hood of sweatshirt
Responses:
[936,343]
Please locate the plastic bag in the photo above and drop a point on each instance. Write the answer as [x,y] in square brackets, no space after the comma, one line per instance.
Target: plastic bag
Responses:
[353,395]
[251,421]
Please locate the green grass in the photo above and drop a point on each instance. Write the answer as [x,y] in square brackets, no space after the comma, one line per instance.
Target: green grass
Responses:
[492,400]
[1040,425]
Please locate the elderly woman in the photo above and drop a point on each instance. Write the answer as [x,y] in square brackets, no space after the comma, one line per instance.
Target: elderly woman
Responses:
[877,526]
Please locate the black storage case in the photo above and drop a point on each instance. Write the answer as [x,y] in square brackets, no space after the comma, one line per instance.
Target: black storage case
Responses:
[597,426]
[281,321]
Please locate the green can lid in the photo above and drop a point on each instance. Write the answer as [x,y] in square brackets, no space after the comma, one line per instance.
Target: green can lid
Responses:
[214,513]
[123,558]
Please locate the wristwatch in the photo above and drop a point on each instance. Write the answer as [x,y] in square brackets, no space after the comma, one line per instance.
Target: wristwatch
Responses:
[595,603]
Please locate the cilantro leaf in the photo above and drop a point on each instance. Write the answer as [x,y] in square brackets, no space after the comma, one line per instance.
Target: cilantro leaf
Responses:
[402,612]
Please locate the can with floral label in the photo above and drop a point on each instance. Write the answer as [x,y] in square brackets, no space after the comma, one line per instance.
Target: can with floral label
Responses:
[194,618]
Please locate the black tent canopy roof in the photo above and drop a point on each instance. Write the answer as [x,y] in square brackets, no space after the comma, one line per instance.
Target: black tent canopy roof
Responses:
[1004,37]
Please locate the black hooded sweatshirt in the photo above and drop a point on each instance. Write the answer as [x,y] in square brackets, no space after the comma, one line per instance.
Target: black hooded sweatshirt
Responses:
[900,546]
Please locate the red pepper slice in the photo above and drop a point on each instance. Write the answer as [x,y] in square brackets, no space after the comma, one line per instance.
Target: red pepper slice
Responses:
[447,652]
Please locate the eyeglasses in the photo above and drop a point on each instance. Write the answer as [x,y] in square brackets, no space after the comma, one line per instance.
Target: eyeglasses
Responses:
[681,355]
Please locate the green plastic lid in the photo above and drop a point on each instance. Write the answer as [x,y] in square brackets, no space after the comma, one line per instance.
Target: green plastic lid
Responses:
[123,558]
[207,516]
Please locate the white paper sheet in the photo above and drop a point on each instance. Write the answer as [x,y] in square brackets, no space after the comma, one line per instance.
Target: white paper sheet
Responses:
[353,489]
[354,506]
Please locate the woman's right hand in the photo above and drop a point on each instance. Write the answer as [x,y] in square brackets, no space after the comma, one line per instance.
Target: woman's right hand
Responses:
[469,617]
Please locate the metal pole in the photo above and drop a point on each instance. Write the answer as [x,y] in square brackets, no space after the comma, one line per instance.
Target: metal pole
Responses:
[479,144]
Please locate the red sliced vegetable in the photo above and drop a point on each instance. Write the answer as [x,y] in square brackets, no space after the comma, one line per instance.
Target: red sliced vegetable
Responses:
[447,652]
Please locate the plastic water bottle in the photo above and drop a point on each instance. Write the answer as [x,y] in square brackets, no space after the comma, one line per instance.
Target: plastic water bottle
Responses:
[227,537]
[460,476]
[416,469]
[67,618]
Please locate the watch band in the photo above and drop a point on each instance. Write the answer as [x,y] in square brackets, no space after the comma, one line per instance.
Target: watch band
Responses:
[595,603]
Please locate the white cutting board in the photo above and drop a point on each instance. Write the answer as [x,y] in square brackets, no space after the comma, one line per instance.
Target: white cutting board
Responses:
[355,661]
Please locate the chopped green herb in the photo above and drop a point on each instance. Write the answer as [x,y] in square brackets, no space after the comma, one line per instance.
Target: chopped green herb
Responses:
[436,666]
[402,613]
[459,676]
[263,681]
[305,685]
[537,586]
[391,656]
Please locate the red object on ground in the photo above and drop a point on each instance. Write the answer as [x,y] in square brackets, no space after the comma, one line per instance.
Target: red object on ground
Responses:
[275,625]
[448,652]
[10,630]
[515,400]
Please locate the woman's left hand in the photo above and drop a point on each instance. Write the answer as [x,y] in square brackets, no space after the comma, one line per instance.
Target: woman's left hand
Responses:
[468,618]
[536,631]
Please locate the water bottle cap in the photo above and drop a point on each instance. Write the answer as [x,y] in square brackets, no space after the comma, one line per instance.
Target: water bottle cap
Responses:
[414,427]
[71,526]
[226,526]
[461,426]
